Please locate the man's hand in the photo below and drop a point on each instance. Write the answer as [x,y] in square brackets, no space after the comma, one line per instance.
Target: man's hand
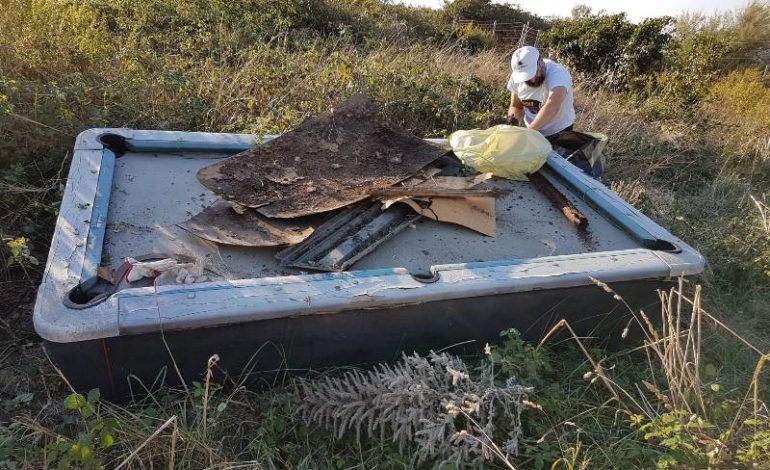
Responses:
[516,109]
[550,109]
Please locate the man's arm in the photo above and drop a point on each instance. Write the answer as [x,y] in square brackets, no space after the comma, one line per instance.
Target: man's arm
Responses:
[550,109]
[516,108]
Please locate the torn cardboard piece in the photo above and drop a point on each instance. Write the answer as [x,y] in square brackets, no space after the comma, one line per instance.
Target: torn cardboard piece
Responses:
[475,213]
[327,162]
[455,202]
[229,224]
[421,191]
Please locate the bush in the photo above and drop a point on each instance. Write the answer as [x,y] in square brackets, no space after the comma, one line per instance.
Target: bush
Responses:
[475,39]
[693,63]
[485,10]
[740,102]
[706,48]
[674,63]
[609,50]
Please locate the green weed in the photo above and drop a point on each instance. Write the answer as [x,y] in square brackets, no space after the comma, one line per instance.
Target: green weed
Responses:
[93,434]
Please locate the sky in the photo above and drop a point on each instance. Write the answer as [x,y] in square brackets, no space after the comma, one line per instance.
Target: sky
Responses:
[636,9]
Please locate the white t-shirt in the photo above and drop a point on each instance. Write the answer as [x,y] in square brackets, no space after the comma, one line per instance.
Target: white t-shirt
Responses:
[534,98]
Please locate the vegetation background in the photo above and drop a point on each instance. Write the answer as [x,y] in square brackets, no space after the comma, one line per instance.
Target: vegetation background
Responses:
[685,102]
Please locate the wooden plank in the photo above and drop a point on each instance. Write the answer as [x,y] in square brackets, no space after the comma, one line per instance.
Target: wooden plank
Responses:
[559,201]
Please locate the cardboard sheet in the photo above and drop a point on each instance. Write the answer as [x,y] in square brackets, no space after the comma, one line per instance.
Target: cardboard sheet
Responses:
[475,213]
[228,225]
[329,161]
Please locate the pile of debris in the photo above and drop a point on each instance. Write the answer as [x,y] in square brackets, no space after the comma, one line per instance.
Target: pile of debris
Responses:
[336,187]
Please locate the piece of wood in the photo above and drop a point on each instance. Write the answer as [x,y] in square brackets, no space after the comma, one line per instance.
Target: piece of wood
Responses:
[428,182]
[455,182]
[559,201]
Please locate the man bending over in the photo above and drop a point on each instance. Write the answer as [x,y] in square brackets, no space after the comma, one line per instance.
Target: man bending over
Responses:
[541,93]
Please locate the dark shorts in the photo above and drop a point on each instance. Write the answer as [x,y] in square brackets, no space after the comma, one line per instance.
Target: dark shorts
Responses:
[555,135]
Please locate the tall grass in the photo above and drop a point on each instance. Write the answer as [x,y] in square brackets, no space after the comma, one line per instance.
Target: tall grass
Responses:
[681,406]
[702,172]
[676,409]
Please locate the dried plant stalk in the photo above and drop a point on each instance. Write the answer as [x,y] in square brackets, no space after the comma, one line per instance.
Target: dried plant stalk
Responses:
[430,401]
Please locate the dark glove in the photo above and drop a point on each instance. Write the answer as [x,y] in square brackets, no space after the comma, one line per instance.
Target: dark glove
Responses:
[512,121]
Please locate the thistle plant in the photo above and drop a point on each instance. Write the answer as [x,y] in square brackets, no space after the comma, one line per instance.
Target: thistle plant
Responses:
[432,402]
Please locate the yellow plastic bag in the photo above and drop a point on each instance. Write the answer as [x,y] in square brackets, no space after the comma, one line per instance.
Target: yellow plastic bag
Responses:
[506,151]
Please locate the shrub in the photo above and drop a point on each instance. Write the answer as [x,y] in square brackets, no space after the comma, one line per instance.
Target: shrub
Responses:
[693,62]
[435,402]
[740,102]
[673,62]
[485,10]
[475,39]
[609,50]
[752,29]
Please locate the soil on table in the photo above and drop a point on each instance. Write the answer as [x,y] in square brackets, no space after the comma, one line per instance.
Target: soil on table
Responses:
[329,161]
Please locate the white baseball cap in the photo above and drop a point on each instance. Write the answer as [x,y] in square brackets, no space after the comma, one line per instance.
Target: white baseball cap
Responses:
[524,63]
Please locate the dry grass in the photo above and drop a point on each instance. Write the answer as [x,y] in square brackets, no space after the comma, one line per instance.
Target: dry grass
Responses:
[673,346]
[707,186]
[208,427]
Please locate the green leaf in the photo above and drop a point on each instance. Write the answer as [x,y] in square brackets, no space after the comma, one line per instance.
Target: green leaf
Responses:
[86,453]
[110,423]
[636,420]
[74,401]
[87,410]
[106,441]
[715,388]
[93,396]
